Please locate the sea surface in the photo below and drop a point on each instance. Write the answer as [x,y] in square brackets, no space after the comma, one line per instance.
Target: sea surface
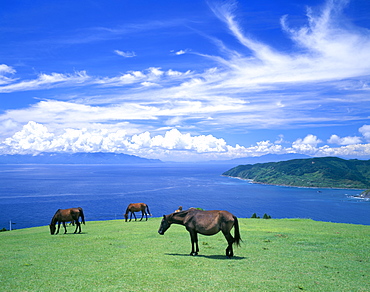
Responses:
[31,194]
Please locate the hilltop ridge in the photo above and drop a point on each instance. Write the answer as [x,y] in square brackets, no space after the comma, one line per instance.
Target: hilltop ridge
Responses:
[323,172]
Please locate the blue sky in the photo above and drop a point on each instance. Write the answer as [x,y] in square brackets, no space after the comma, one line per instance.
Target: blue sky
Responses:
[186,80]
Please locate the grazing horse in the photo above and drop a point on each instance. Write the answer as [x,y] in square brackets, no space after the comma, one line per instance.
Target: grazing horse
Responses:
[136,207]
[66,215]
[206,223]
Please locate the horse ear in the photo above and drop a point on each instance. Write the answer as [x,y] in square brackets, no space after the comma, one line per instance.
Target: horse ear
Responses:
[164,216]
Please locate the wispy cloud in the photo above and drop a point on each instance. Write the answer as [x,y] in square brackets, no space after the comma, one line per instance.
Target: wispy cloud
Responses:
[125,54]
[44,81]
[4,71]
[180,52]
[330,50]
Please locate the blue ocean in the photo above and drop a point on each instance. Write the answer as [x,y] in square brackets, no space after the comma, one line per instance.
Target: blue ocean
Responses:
[30,194]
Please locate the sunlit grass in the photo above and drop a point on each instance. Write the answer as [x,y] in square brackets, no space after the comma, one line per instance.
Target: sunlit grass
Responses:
[276,255]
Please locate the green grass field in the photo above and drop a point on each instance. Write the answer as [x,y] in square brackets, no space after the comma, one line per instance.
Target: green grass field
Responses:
[276,255]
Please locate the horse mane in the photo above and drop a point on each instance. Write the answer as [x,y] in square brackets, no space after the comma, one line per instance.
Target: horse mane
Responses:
[182,214]
[57,212]
[127,210]
[54,219]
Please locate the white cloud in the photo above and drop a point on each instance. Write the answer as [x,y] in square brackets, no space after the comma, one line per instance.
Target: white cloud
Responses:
[331,50]
[149,84]
[125,54]
[311,140]
[47,80]
[335,139]
[250,83]
[172,145]
[6,70]
[307,145]
[181,52]
[365,131]
[357,151]
[256,87]
[32,138]
[35,137]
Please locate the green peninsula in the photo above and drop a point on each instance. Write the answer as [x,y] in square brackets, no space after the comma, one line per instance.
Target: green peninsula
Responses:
[323,172]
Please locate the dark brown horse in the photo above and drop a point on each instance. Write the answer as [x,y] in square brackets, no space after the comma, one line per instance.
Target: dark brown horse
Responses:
[206,223]
[136,207]
[66,215]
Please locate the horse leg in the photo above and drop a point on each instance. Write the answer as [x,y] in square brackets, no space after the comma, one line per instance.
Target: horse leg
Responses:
[230,241]
[78,226]
[134,215]
[146,215]
[194,243]
[65,228]
[58,228]
[142,215]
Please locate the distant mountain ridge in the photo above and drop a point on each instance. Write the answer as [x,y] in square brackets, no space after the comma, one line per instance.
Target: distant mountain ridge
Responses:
[325,172]
[75,158]
[262,159]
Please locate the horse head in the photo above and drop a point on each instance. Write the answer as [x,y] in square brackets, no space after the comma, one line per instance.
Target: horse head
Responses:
[165,224]
[52,228]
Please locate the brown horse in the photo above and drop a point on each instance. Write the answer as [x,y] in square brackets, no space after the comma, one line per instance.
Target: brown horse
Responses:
[66,215]
[206,223]
[136,207]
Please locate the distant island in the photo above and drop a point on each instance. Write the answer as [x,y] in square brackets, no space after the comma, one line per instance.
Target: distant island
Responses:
[75,158]
[324,172]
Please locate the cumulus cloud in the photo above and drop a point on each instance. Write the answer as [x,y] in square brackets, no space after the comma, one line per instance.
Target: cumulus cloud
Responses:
[307,145]
[365,131]
[35,138]
[173,145]
[335,139]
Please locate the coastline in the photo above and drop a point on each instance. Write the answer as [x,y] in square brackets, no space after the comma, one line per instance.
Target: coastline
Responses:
[282,185]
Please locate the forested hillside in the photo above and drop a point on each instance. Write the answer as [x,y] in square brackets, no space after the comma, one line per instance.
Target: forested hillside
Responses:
[326,172]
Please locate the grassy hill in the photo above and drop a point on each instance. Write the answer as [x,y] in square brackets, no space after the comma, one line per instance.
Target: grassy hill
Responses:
[276,255]
[326,172]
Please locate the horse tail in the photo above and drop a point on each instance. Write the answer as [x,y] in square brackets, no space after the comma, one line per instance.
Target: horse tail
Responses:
[82,215]
[147,207]
[237,238]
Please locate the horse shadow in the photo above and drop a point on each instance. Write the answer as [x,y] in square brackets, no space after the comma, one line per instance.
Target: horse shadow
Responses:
[72,233]
[212,257]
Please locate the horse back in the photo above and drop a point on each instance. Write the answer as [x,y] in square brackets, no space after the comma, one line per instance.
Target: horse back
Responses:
[70,214]
[136,207]
[209,222]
